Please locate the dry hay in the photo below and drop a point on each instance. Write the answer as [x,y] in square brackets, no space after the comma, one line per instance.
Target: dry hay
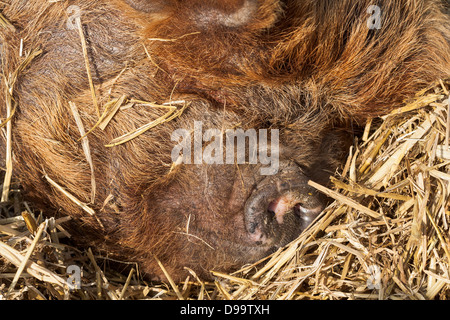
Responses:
[385,235]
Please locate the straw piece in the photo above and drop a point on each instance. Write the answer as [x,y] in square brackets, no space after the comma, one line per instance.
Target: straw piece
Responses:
[443,152]
[110,110]
[32,268]
[4,23]
[82,205]
[101,277]
[367,127]
[168,116]
[356,188]
[169,278]
[341,198]
[27,256]
[79,203]
[447,127]
[175,39]
[87,64]
[444,243]
[8,174]
[30,221]
[10,111]
[376,148]
[416,104]
[382,175]
[127,283]
[85,146]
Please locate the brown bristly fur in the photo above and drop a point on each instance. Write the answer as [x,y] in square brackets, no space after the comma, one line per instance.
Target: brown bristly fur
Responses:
[308,68]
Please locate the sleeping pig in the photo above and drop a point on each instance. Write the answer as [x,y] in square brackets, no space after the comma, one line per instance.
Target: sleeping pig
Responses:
[240,102]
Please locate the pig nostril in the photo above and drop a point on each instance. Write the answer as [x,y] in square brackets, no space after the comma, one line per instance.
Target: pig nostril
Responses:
[271,213]
[271,208]
[298,210]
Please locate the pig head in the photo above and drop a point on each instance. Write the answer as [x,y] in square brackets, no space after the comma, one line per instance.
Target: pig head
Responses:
[290,75]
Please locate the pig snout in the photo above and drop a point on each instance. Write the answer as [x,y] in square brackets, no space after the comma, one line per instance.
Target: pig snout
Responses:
[281,207]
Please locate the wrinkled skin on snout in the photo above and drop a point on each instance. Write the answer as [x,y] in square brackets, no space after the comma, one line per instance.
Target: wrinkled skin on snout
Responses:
[247,217]
[312,70]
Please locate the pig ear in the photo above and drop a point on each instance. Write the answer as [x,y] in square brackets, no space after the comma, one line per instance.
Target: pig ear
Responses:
[149,6]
